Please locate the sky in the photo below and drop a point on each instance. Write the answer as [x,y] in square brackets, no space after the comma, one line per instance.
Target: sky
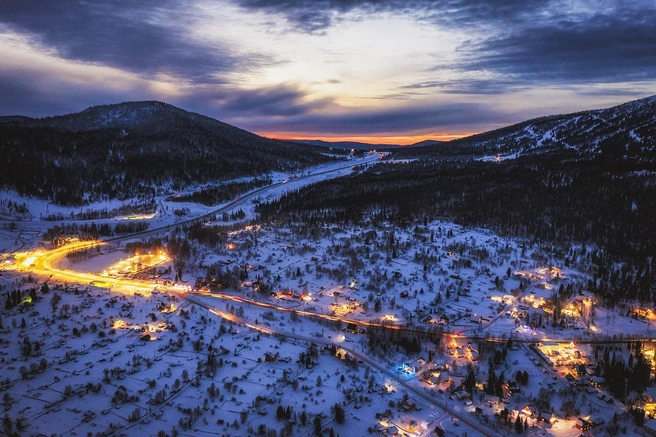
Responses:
[381,71]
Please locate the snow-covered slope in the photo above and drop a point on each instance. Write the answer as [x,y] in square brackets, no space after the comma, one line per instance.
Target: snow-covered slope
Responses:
[627,131]
[132,149]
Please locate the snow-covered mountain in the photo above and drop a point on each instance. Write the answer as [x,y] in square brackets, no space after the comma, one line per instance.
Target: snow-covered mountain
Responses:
[151,116]
[356,145]
[627,131]
[130,149]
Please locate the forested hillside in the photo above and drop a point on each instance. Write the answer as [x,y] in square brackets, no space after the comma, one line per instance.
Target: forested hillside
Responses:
[133,149]
[624,132]
[599,195]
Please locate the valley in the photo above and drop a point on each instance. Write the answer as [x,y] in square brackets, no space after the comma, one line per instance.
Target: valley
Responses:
[394,293]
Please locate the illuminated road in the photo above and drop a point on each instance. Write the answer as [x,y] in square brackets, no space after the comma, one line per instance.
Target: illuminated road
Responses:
[359,355]
[305,313]
[40,225]
[368,160]
[43,263]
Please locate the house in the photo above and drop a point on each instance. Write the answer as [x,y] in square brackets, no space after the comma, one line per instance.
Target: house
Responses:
[392,430]
[529,410]
[650,427]
[352,328]
[492,400]
[270,358]
[513,388]
[427,319]
[439,431]
[409,405]
[547,417]
[580,369]
[583,424]
[407,368]
[596,420]
[596,381]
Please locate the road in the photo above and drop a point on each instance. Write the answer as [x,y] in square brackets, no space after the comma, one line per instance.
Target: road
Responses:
[40,225]
[42,263]
[359,355]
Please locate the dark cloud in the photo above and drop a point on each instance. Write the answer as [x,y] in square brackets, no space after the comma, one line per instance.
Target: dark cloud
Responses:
[37,93]
[468,86]
[239,106]
[317,15]
[282,100]
[515,45]
[600,48]
[406,119]
[147,37]
[287,108]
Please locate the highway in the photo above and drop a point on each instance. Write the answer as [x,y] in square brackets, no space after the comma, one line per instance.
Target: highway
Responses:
[40,225]
[43,263]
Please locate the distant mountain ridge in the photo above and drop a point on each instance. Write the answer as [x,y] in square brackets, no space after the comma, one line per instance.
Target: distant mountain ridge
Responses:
[143,115]
[626,131]
[356,145]
[134,149]
[585,180]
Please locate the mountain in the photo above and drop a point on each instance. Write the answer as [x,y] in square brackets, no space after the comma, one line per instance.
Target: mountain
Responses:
[426,143]
[134,149]
[347,145]
[14,118]
[585,180]
[624,132]
[355,145]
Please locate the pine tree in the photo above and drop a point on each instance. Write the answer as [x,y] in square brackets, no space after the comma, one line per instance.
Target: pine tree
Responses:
[317,425]
[339,414]
[518,425]
[491,383]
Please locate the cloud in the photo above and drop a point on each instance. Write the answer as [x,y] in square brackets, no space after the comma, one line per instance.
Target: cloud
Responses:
[281,100]
[41,93]
[241,106]
[599,48]
[460,116]
[466,85]
[317,15]
[146,37]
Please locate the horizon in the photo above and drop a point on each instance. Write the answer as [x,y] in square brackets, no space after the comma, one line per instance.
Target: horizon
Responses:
[391,71]
[372,140]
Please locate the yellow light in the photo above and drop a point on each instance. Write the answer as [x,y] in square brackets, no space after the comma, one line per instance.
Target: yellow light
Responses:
[119,324]
[29,261]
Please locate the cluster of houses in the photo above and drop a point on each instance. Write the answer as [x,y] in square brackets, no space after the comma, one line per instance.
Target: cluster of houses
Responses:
[468,351]
[388,428]
[436,374]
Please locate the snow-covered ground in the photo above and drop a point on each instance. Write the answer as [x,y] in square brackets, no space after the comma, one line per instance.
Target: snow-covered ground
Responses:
[80,359]
[29,213]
